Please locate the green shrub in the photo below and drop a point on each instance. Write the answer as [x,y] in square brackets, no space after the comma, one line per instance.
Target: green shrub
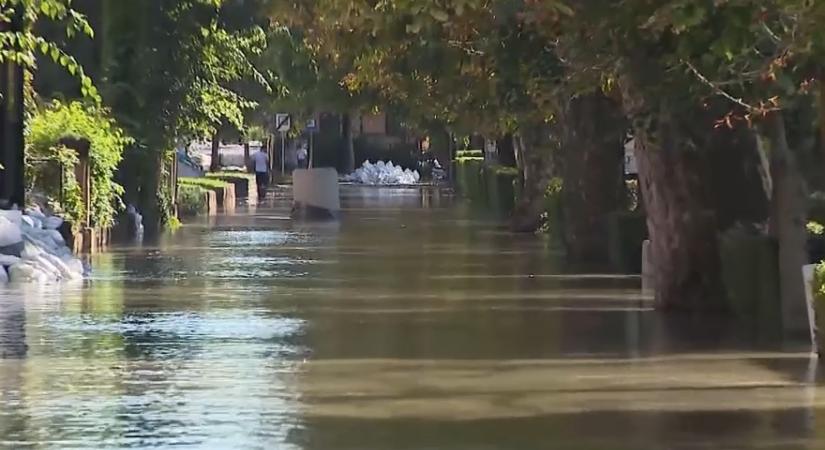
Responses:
[819,283]
[816,207]
[501,187]
[213,184]
[470,178]
[48,161]
[231,176]
[192,200]
[469,154]
[552,222]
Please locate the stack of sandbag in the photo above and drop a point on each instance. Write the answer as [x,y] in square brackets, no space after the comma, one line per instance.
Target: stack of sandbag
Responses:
[383,174]
[33,250]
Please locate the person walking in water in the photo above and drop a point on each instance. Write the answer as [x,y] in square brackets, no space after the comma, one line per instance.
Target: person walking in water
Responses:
[302,157]
[261,161]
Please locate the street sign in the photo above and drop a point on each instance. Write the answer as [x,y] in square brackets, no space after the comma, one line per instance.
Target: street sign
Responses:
[282,122]
[630,165]
[312,126]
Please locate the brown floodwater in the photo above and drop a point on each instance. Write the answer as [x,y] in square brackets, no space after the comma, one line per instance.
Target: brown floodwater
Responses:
[411,324]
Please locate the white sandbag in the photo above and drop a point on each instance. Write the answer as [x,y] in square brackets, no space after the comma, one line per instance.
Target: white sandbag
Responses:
[8,260]
[12,216]
[382,173]
[30,250]
[35,212]
[65,271]
[44,264]
[10,233]
[41,241]
[75,266]
[56,237]
[31,222]
[52,223]
[25,272]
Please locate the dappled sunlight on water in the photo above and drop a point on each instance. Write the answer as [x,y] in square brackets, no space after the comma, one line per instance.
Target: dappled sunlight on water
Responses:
[408,325]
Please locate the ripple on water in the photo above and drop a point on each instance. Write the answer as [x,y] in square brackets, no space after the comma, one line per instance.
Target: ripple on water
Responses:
[213,379]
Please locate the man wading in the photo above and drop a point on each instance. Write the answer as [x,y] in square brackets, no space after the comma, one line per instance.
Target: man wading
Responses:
[261,161]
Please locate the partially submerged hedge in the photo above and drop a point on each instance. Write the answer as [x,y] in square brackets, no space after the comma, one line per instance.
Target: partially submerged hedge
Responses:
[231,175]
[469,154]
[213,184]
[48,161]
[192,200]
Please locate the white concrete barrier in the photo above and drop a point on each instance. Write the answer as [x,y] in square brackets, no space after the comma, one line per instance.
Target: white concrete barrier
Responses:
[808,277]
[648,270]
[315,193]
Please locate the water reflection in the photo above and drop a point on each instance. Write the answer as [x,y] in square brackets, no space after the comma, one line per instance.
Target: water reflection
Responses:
[410,324]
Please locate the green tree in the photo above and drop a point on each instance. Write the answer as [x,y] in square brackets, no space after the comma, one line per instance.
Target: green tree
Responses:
[172,73]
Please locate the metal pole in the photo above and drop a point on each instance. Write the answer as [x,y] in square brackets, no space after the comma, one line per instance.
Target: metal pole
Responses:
[311,151]
[283,153]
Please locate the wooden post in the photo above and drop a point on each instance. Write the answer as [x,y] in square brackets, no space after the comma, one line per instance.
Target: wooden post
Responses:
[83,174]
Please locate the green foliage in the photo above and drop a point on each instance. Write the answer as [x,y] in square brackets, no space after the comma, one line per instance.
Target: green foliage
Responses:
[203,182]
[552,220]
[815,228]
[503,171]
[469,154]
[176,71]
[468,159]
[192,200]
[20,41]
[819,283]
[56,121]
[501,187]
[231,176]
[469,174]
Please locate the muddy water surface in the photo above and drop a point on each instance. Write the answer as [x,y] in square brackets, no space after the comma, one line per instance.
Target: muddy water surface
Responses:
[409,325]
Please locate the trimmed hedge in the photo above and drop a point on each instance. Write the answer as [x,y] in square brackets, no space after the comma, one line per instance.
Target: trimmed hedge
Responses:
[501,187]
[212,184]
[489,186]
[245,186]
[459,154]
[224,191]
[469,178]
[750,272]
[225,176]
[193,200]
[627,231]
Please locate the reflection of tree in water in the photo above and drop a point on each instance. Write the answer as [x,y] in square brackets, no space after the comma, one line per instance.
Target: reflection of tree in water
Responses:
[12,327]
[13,350]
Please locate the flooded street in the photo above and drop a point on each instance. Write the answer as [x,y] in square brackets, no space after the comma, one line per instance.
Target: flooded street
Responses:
[409,325]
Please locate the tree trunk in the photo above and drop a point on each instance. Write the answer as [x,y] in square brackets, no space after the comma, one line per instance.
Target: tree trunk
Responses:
[592,155]
[215,164]
[506,152]
[149,201]
[348,165]
[674,180]
[534,158]
[246,161]
[788,219]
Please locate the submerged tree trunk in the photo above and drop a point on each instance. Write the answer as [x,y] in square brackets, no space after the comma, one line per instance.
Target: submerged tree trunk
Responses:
[149,199]
[674,180]
[506,152]
[215,164]
[534,158]
[788,219]
[348,163]
[592,155]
